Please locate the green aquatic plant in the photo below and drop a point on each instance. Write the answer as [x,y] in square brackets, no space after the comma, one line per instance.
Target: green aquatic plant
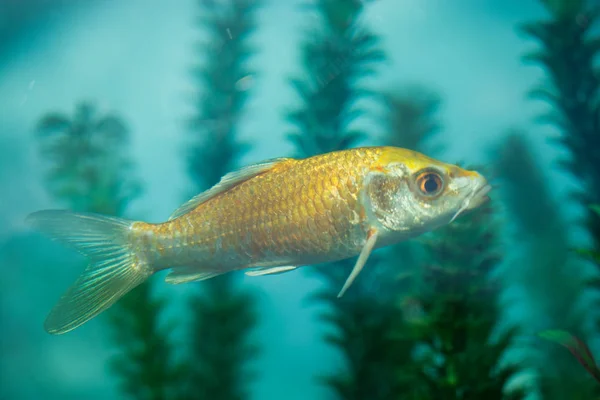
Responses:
[568,52]
[223,315]
[90,171]
[411,119]
[87,167]
[460,350]
[592,254]
[575,345]
[337,54]
[578,348]
[145,365]
[223,83]
[446,300]
[539,237]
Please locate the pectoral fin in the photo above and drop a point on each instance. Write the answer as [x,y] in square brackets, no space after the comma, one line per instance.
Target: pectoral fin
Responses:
[270,270]
[362,259]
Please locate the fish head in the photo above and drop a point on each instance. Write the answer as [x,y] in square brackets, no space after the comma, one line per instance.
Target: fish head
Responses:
[408,193]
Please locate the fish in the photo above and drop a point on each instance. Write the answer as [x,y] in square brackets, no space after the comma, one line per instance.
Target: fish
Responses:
[266,218]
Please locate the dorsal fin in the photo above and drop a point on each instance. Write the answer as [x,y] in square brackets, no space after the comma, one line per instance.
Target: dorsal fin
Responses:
[228,181]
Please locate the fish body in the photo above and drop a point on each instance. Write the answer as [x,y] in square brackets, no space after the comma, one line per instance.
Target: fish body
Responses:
[266,218]
[298,212]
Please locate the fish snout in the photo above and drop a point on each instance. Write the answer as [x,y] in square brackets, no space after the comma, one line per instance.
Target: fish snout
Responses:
[475,197]
[480,192]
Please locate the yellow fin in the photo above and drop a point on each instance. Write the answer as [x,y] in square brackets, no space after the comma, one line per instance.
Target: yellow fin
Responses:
[270,270]
[228,181]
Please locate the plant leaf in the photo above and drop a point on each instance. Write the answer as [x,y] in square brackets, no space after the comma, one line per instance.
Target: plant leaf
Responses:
[576,346]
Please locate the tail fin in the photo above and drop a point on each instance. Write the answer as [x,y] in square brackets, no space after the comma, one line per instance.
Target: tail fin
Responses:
[113,271]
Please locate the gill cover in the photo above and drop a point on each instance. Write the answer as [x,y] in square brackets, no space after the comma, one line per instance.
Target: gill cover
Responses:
[387,191]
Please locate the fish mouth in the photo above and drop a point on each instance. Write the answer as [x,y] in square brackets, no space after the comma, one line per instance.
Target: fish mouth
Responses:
[474,200]
[479,197]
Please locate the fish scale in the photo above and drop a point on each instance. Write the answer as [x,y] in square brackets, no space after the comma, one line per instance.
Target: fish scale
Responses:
[301,212]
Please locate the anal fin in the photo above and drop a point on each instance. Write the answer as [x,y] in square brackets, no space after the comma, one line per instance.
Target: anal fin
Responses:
[190,274]
[362,260]
[270,270]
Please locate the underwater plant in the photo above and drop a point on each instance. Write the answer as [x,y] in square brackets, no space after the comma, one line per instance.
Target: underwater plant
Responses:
[411,118]
[410,121]
[568,54]
[145,365]
[87,170]
[337,55]
[447,301]
[223,83]
[578,348]
[90,171]
[460,351]
[541,249]
[568,51]
[223,315]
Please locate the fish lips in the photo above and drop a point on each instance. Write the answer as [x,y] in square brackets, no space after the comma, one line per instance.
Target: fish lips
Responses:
[476,199]
[480,197]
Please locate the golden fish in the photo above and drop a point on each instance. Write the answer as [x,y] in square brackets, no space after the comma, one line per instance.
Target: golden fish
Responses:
[266,218]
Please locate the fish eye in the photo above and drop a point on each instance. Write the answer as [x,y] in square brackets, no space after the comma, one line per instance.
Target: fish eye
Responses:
[429,183]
